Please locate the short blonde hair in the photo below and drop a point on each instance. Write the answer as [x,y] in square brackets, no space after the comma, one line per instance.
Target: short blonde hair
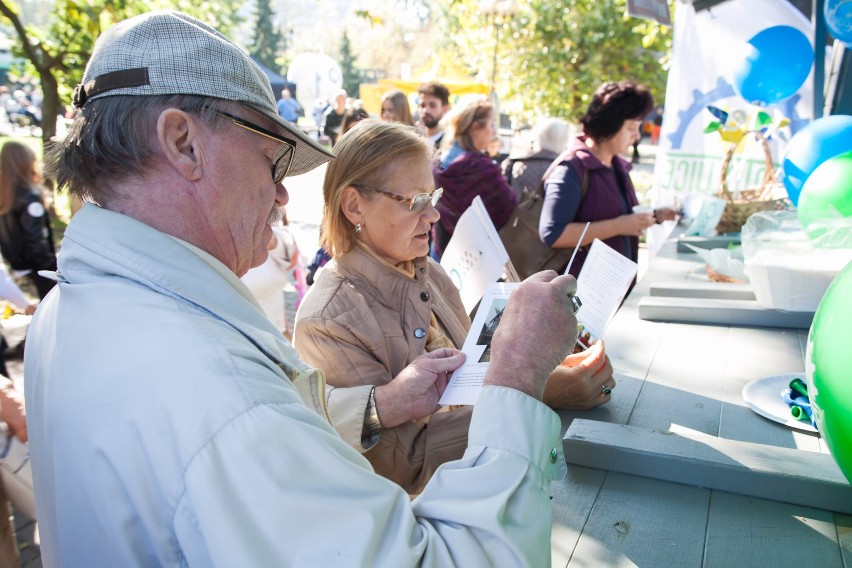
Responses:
[475,115]
[366,156]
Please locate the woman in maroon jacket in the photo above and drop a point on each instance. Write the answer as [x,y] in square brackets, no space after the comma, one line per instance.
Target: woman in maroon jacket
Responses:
[466,171]
[610,127]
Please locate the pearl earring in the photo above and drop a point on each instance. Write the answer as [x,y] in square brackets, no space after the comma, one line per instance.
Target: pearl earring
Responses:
[357,227]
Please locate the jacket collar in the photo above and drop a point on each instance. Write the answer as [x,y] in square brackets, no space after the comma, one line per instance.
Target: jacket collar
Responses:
[578,147]
[111,243]
[388,286]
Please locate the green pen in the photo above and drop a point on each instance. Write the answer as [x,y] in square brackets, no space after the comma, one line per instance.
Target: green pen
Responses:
[800,387]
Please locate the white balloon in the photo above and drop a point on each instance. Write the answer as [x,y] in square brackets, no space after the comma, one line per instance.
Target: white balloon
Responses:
[316,75]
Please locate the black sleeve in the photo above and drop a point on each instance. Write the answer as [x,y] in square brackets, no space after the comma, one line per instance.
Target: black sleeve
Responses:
[38,250]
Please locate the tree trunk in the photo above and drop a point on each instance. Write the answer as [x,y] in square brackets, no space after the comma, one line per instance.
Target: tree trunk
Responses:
[50,109]
[51,106]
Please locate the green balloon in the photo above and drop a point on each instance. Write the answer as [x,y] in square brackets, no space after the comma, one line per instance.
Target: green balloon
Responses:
[827,192]
[828,367]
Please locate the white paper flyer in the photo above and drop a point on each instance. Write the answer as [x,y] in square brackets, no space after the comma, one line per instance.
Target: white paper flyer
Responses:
[475,255]
[602,284]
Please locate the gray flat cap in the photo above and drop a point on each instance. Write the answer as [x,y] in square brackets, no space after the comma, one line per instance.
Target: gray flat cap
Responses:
[169,53]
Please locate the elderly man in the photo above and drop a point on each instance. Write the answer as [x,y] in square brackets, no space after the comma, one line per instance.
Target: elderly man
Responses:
[170,422]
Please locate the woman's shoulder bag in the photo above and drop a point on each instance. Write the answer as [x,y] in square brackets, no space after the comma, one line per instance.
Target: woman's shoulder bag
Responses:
[520,233]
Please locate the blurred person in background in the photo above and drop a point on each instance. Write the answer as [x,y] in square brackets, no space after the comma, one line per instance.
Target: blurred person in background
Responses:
[26,236]
[288,107]
[332,117]
[395,107]
[434,104]
[268,280]
[353,116]
[550,137]
[466,170]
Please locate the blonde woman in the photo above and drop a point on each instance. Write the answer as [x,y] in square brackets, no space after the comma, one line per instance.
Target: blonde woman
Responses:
[382,304]
[395,107]
[466,170]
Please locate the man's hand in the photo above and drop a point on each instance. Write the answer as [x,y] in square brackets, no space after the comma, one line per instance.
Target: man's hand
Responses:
[577,384]
[536,332]
[415,391]
[12,410]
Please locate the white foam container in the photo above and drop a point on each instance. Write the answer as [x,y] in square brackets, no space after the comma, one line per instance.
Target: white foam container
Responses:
[791,280]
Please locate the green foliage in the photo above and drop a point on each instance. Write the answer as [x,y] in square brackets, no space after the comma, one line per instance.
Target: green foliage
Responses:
[552,55]
[58,53]
[267,36]
[352,76]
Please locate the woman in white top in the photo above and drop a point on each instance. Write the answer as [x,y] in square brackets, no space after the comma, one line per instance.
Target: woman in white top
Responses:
[267,281]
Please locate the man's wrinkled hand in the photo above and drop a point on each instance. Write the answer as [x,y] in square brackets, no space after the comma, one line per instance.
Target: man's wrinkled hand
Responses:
[537,330]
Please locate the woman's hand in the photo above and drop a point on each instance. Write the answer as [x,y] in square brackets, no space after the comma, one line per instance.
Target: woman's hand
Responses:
[665,214]
[578,383]
[415,391]
[633,224]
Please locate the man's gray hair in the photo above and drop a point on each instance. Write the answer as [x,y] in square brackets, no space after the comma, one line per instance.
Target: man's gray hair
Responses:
[551,134]
[110,140]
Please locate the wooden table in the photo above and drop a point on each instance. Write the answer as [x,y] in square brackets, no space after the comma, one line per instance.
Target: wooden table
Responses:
[690,376]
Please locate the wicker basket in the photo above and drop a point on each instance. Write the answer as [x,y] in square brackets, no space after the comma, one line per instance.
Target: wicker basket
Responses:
[750,200]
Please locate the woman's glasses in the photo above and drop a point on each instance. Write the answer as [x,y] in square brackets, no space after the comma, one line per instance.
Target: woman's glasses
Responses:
[415,203]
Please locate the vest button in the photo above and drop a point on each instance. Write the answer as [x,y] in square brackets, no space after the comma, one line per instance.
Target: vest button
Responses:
[424,296]
[419,333]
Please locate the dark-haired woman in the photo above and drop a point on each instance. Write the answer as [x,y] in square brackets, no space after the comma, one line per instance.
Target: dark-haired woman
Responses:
[26,238]
[593,183]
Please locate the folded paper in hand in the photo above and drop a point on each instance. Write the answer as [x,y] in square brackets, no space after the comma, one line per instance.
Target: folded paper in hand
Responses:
[601,285]
[475,255]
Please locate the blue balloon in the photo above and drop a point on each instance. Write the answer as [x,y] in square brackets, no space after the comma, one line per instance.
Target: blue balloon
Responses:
[819,141]
[838,19]
[777,63]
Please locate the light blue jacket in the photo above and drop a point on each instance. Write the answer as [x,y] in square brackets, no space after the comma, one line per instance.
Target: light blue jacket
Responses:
[164,432]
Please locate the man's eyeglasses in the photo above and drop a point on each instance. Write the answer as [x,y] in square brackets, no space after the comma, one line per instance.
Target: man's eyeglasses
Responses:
[283,158]
[415,203]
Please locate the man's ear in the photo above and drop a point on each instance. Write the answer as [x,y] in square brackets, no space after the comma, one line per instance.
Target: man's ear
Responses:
[351,203]
[180,139]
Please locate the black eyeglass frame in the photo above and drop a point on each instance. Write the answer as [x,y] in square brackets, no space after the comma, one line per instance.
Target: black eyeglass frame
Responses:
[278,172]
[433,197]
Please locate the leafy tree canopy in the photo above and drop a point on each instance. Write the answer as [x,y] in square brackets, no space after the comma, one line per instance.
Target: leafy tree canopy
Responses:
[552,55]
[58,53]
[268,41]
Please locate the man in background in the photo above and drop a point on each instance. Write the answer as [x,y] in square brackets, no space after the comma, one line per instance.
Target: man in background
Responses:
[288,107]
[434,104]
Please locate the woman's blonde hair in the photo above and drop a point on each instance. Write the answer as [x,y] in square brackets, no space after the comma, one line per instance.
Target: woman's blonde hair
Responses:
[475,115]
[400,105]
[17,170]
[366,156]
